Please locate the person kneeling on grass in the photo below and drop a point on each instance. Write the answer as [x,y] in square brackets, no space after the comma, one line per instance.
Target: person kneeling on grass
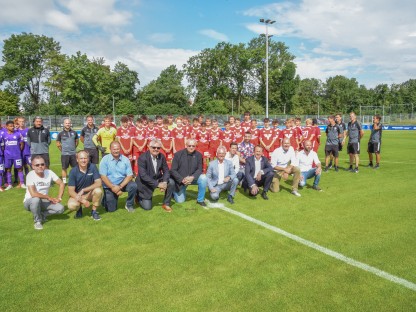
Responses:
[84,185]
[36,198]
[306,158]
[221,176]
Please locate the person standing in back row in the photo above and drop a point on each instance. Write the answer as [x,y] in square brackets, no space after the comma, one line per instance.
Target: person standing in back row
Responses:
[374,143]
[39,139]
[67,142]
[354,133]
[87,133]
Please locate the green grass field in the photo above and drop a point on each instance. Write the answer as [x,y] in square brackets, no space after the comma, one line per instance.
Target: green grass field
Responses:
[197,259]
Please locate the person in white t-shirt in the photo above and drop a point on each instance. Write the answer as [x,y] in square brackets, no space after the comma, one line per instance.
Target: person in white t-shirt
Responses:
[306,158]
[36,198]
[284,164]
[234,156]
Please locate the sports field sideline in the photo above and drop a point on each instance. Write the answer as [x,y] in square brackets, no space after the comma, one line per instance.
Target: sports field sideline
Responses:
[210,259]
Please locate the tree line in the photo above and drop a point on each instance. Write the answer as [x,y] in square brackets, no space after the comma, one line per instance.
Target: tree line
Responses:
[36,78]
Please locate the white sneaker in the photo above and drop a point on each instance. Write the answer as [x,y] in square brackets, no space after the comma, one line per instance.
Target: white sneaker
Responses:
[296,193]
[23,186]
[64,180]
[38,226]
[9,187]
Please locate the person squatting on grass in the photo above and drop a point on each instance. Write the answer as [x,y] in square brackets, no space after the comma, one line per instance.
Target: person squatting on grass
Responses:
[186,170]
[154,174]
[84,186]
[36,199]
[117,174]
[258,172]
[221,176]
[284,163]
[305,160]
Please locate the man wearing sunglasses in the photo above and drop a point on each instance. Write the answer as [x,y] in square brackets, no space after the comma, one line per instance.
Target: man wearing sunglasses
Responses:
[153,174]
[186,170]
[36,199]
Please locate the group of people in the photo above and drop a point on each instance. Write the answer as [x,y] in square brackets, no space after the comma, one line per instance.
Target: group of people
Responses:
[142,157]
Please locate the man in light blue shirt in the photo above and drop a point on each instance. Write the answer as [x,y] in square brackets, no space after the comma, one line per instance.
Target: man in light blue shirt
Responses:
[117,175]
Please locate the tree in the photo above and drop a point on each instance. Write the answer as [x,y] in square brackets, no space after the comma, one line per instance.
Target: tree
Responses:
[25,58]
[341,94]
[8,104]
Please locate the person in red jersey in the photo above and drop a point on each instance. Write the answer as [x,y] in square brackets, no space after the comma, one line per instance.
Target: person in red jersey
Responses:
[238,132]
[290,133]
[179,135]
[159,122]
[151,131]
[200,119]
[227,136]
[203,139]
[255,133]
[277,135]
[208,123]
[246,124]
[125,138]
[317,138]
[165,137]
[215,139]
[145,121]
[267,138]
[131,121]
[194,129]
[231,119]
[299,135]
[308,132]
[139,143]
[186,124]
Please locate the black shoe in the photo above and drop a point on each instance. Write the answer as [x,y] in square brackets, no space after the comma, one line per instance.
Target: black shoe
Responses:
[376,166]
[350,169]
[355,170]
[78,215]
[264,195]
[230,199]
[370,165]
[202,204]
[336,168]
[326,169]
[330,165]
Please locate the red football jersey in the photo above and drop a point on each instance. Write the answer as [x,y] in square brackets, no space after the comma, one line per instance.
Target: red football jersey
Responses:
[238,135]
[291,135]
[308,132]
[317,138]
[203,139]
[179,136]
[124,136]
[267,136]
[140,139]
[227,137]
[165,137]
[152,133]
[255,136]
[193,131]
[215,140]
[277,136]
[246,125]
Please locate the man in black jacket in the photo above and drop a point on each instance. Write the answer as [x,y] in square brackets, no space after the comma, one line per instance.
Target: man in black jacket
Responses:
[186,170]
[153,174]
[39,139]
[258,172]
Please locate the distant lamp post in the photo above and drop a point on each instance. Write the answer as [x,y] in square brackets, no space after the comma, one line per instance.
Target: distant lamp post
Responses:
[267,22]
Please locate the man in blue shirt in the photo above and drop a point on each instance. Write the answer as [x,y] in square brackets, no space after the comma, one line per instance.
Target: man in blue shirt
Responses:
[117,175]
[84,186]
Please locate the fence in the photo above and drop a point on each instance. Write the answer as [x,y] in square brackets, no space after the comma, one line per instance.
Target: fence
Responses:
[55,122]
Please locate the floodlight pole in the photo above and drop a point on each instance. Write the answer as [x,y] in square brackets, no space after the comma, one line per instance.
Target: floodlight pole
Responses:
[267,22]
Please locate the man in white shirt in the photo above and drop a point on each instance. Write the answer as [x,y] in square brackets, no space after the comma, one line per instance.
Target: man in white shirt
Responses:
[306,158]
[37,199]
[221,176]
[284,163]
[234,156]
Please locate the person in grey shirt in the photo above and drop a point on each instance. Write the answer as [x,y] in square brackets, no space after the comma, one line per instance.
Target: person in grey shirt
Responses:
[343,127]
[39,139]
[374,143]
[87,134]
[333,134]
[354,133]
[67,142]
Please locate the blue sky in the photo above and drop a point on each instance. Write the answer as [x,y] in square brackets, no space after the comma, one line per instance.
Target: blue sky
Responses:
[373,41]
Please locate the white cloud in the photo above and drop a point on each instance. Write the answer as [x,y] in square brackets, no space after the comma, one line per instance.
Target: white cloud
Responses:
[213,34]
[381,32]
[161,37]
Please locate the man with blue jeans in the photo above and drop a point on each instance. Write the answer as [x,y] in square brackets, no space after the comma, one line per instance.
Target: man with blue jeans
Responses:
[116,175]
[306,158]
[187,170]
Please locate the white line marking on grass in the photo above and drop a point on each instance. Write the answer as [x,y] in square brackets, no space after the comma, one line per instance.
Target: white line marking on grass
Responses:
[329,252]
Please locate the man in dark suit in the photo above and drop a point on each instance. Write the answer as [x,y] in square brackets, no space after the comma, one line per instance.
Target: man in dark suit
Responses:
[153,174]
[186,170]
[258,172]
